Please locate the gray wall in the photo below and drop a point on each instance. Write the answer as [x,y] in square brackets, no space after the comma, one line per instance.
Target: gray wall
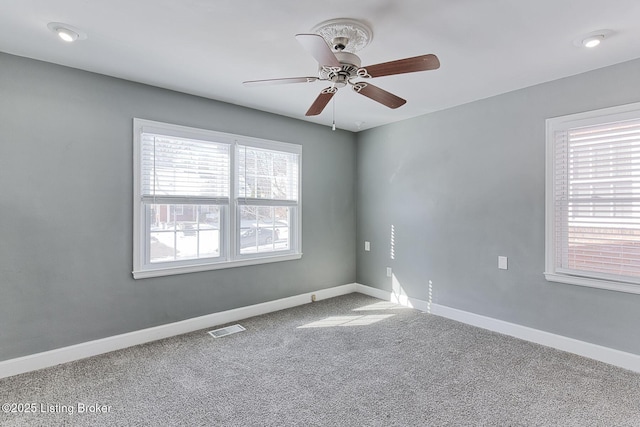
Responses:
[66,209]
[464,185]
[460,187]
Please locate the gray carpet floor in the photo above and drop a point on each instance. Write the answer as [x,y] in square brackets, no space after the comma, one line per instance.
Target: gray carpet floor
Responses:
[346,361]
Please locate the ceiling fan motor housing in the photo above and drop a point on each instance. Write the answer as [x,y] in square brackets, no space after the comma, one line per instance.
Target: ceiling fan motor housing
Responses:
[340,43]
[340,76]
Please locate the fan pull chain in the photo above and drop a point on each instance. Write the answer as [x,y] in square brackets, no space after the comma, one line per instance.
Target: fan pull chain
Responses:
[333,127]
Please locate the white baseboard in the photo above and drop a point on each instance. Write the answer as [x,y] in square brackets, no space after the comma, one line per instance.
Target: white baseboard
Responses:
[93,348]
[593,351]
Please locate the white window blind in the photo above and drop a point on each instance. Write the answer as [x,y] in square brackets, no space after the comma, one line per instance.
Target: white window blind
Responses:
[596,198]
[267,175]
[185,169]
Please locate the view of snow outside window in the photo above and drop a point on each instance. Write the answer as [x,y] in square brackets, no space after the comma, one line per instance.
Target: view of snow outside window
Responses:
[181,232]
[264,229]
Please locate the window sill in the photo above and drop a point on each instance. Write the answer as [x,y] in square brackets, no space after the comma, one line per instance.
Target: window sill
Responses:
[169,271]
[593,283]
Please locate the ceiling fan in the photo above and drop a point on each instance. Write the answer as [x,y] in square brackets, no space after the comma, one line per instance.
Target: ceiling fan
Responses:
[341,67]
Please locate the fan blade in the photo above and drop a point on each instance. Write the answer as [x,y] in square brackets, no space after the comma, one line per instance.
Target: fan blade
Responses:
[280,81]
[402,66]
[318,48]
[321,101]
[379,95]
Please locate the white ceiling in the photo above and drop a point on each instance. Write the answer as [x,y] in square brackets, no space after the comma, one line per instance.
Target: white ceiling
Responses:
[209,47]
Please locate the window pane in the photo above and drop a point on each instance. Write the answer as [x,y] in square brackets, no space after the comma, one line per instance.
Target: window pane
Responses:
[264,229]
[209,231]
[162,246]
[183,232]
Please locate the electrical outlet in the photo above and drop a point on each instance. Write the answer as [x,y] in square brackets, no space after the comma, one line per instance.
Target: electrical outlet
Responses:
[389,273]
[313,297]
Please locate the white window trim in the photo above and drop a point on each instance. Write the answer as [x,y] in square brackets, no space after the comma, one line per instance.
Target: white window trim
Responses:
[141,271]
[618,113]
[168,271]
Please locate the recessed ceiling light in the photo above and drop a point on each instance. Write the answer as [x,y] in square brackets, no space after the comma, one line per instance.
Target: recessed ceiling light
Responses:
[67,35]
[593,41]
[66,32]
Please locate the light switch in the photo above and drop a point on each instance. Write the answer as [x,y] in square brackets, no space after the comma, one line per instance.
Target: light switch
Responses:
[502,262]
[389,272]
[367,246]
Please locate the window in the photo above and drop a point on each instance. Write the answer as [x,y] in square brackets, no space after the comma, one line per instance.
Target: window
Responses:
[593,199]
[205,200]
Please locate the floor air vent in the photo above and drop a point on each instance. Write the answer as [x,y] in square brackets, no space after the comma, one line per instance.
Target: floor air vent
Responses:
[223,332]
